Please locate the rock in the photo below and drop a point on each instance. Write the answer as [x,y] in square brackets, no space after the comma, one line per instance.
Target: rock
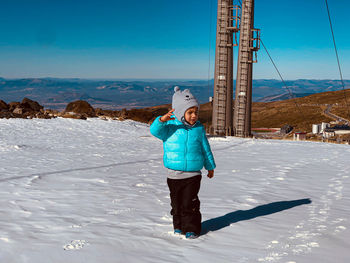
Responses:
[123,114]
[107,114]
[146,115]
[3,106]
[18,110]
[13,105]
[6,114]
[99,112]
[73,115]
[140,115]
[30,105]
[52,113]
[26,109]
[160,111]
[43,115]
[81,107]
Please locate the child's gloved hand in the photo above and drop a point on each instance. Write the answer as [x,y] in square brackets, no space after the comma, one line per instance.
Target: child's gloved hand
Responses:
[167,116]
[210,174]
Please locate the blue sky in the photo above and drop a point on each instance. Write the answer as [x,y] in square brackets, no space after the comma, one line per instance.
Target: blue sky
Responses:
[159,39]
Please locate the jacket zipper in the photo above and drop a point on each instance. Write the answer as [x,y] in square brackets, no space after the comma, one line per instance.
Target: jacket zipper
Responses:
[186,149]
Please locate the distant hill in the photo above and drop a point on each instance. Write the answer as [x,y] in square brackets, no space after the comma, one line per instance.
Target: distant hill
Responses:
[117,94]
[55,93]
[286,96]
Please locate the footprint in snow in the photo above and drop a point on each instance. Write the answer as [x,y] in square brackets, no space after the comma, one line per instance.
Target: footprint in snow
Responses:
[143,186]
[339,229]
[75,245]
[5,239]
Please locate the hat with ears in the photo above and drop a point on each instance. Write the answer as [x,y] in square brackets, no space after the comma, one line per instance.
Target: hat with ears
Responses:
[182,101]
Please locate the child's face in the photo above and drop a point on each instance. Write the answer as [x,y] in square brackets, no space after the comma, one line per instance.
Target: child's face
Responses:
[191,115]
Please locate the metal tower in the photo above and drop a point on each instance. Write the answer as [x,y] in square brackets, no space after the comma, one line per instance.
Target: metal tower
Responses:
[249,42]
[229,22]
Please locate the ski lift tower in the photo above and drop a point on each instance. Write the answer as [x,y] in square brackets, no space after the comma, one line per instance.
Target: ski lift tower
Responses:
[249,44]
[230,20]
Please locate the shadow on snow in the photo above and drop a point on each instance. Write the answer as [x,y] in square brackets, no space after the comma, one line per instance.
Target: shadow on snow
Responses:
[220,222]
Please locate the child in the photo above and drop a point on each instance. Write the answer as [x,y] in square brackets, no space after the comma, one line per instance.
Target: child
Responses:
[186,151]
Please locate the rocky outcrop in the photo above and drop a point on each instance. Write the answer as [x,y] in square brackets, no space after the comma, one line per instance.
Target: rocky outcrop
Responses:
[146,115]
[72,115]
[13,105]
[81,107]
[30,105]
[3,106]
[140,115]
[26,106]
[26,109]
[108,114]
[77,110]
[52,113]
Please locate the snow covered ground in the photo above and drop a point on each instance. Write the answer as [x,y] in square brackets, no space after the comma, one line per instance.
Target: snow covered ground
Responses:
[95,191]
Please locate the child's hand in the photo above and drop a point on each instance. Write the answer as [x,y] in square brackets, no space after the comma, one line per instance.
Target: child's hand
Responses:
[167,116]
[210,174]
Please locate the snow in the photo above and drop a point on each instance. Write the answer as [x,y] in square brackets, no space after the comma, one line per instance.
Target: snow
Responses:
[95,191]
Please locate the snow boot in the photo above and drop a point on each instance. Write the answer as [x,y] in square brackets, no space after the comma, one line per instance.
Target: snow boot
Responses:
[191,235]
[178,232]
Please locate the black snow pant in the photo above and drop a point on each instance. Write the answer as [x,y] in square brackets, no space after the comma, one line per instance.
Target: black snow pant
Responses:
[185,203]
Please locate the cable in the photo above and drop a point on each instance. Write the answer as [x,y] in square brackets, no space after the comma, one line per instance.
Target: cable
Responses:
[336,53]
[290,92]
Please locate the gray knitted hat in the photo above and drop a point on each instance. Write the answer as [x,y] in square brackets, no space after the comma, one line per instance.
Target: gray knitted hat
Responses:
[182,101]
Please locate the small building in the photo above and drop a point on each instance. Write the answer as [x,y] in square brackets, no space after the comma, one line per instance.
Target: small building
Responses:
[324,125]
[299,136]
[328,133]
[316,128]
[337,130]
[319,128]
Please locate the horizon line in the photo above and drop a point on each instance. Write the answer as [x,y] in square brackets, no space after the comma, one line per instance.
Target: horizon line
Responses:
[148,79]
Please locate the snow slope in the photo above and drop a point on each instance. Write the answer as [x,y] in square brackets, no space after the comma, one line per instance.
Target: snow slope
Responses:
[95,191]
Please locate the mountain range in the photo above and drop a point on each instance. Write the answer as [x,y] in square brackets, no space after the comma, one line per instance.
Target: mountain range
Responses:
[117,94]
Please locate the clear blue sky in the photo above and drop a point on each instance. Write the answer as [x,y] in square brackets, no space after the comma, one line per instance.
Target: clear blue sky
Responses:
[163,38]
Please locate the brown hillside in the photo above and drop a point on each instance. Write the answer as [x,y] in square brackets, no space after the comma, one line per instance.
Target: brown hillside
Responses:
[300,113]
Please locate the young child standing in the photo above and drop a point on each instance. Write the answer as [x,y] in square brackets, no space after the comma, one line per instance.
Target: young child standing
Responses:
[186,151]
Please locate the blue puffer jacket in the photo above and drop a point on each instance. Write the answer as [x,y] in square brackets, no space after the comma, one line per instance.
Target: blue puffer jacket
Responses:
[185,148]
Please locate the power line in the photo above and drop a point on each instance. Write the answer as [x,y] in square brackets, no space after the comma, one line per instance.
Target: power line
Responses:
[290,92]
[336,53]
[280,75]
